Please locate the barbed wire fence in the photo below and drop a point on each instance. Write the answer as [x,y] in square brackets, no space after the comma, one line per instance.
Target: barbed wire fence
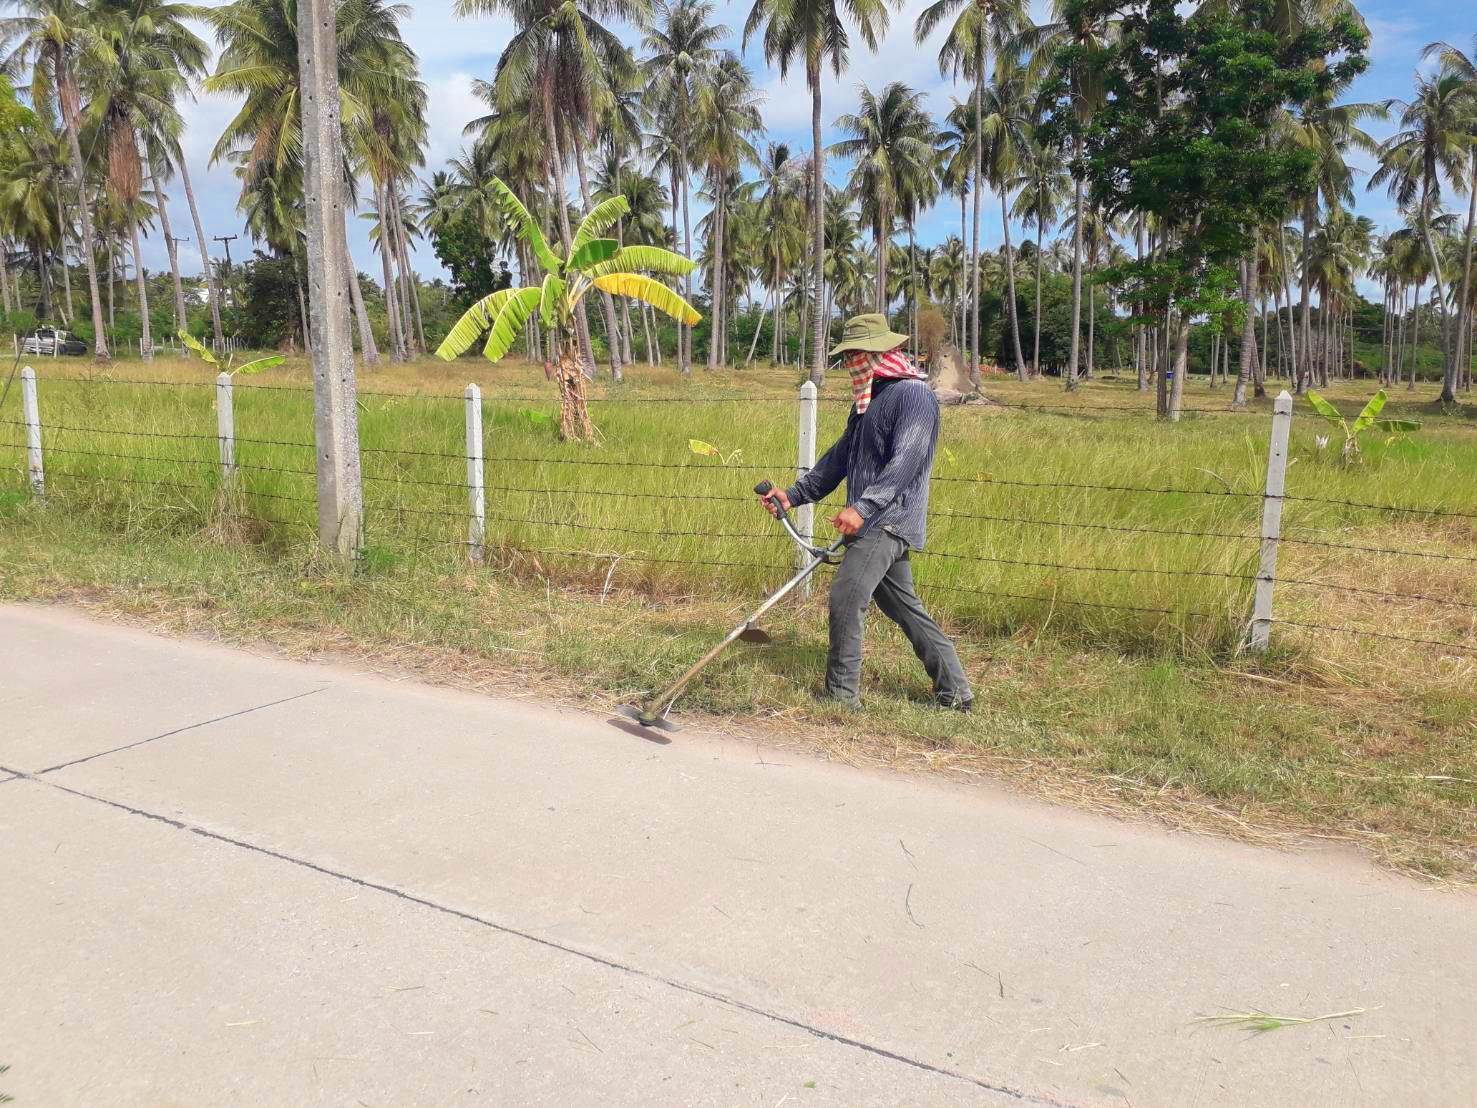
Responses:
[225,465]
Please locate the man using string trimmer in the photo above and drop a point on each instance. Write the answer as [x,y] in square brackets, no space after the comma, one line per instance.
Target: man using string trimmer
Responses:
[885,455]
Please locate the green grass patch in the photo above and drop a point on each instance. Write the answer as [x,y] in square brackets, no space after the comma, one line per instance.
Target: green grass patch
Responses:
[606,580]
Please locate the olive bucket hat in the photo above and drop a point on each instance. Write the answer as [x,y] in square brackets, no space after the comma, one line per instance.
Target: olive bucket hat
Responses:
[868,332]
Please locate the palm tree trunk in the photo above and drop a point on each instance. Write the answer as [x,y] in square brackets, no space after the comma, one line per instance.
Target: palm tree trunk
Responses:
[368,350]
[1260,355]
[1248,326]
[1461,359]
[1181,366]
[778,291]
[5,301]
[394,321]
[882,235]
[69,103]
[555,169]
[1305,323]
[684,334]
[1015,323]
[818,217]
[215,296]
[607,305]
[146,342]
[1091,330]
[112,267]
[979,176]
[1415,337]
[715,278]
[402,286]
[1077,208]
[181,316]
[1140,340]
[61,232]
[1036,348]
[410,300]
[754,343]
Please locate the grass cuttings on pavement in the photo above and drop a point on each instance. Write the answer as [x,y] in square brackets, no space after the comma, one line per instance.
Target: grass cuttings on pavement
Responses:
[1263,749]
[1259,1023]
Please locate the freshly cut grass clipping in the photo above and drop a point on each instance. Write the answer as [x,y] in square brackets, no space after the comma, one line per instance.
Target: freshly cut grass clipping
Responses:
[1258,1022]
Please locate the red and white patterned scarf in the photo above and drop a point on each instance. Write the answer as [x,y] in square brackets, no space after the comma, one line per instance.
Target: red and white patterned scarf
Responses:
[865,367]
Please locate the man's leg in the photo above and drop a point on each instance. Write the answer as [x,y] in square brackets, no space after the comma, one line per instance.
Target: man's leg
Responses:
[865,565]
[899,602]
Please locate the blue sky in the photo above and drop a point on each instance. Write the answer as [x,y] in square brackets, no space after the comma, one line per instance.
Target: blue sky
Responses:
[453,52]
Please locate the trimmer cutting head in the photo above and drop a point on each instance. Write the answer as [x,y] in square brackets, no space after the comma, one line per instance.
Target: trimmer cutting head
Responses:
[638,714]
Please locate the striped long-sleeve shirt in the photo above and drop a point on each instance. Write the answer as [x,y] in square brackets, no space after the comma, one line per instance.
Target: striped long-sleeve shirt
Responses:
[886,457]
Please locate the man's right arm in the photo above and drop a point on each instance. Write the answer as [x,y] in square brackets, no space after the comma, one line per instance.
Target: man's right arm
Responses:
[824,476]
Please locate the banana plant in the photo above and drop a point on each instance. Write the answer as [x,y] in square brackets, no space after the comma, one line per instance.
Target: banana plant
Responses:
[591,262]
[1366,419]
[246,369]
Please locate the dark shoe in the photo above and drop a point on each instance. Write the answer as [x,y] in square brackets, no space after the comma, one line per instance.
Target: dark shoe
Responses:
[954,703]
[838,702]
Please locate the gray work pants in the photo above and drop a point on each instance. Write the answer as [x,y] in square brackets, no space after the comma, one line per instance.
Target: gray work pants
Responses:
[876,567]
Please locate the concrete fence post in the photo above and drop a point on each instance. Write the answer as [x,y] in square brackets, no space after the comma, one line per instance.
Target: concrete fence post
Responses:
[225,425]
[31,413]
[805,462]
[476,485]
[1272,500]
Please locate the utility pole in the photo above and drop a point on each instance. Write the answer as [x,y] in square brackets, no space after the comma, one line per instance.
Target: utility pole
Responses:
[228,239]
[181,320]
[335,404]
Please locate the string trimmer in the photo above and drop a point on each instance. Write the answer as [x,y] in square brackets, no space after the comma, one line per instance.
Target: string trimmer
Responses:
[654,712]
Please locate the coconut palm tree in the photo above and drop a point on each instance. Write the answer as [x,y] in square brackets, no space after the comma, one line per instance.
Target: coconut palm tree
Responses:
[1463,66]
[726,117]
[137,77]
[1041,184]
[681,41]
[981,29]
[258,63]
[49,36]
[1433,141]
[950,280]
[815,32]
[778,197]
[1005,135]
[891,141]
[1087,91]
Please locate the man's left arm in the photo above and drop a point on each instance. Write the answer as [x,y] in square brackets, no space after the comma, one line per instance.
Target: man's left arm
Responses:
[914,434]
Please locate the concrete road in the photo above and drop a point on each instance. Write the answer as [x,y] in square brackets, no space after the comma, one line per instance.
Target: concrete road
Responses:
[234,880]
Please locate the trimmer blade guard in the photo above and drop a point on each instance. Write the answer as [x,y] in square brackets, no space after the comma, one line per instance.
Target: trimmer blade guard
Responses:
[638,714]
[755,635]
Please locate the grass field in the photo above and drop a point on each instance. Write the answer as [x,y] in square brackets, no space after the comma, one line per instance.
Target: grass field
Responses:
[1104,649]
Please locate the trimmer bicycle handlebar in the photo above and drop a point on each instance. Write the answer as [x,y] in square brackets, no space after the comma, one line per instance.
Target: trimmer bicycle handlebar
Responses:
[825,553]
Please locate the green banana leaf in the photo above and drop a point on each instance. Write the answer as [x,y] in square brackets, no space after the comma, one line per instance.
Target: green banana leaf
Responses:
[1371,412]
[1325,409]
[509,323]
[197,346]
[651,291]
[601,218]
[593,253]
[643,259]
[1397,426]
[259,364]
[474,321]
[528,227]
